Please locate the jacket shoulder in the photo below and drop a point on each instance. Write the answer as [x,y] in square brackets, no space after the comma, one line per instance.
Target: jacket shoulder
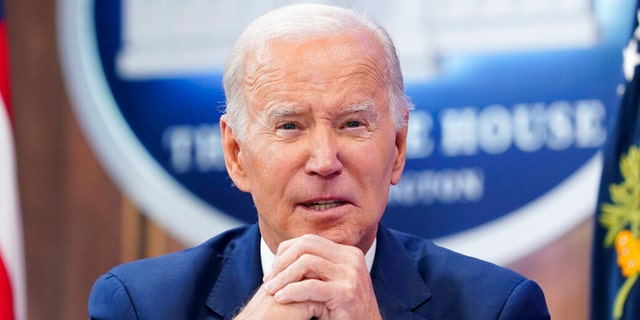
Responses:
[182,264]
[464,287]
[166,284]
[429,256]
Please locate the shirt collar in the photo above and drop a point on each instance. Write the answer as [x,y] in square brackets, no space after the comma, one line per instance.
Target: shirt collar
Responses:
[267,257]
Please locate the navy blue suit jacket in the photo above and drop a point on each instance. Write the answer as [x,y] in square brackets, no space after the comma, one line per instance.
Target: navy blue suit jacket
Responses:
[412,279]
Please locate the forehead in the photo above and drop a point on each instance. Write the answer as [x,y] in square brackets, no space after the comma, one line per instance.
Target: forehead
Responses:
[340,69]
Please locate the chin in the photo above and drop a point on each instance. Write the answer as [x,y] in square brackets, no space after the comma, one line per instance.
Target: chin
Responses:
[341,236]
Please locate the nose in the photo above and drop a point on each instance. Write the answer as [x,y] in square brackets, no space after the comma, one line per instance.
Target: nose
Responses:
[324,156]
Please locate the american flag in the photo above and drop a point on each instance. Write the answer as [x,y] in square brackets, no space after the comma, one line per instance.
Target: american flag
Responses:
[12,284]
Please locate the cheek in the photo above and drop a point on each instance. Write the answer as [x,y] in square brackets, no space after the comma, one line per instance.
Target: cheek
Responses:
[268,164]
[375,163]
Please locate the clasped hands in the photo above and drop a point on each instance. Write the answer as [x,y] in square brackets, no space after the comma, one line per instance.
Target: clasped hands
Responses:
[313,277]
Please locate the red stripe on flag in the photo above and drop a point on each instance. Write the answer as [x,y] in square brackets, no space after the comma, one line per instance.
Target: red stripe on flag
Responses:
[4,67]
[11,270]
[6,295]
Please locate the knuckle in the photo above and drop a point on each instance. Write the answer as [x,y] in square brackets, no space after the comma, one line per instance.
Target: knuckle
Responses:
[314,309]
[313,285]
[310,237]
[307,261]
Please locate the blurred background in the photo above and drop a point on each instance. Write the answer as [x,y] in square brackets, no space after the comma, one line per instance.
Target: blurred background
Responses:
[115,108]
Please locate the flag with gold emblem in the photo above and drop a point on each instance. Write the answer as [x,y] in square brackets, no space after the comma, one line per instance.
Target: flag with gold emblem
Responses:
[615,285]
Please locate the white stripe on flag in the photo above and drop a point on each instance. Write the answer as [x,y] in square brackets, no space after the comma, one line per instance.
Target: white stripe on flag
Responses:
[10,226]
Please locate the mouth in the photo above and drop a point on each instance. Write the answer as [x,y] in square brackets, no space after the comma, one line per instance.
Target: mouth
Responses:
[323,204]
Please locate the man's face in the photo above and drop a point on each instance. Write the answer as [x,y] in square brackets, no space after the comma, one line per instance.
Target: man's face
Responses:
[320,149]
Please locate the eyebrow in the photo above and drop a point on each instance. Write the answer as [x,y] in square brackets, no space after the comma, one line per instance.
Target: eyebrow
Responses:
[362,107]
[365,106]
[282,111]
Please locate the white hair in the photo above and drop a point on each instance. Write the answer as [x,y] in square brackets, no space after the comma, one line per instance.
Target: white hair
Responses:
[300,22]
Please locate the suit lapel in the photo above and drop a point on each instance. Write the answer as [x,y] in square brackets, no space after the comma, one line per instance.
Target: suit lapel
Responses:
[398,286]
[241,275]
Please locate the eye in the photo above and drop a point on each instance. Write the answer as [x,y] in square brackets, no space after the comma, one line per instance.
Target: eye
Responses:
[289,126]
[353,124]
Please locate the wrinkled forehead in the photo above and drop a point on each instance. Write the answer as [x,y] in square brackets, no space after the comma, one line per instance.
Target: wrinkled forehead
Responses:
[315,54]
[337,65]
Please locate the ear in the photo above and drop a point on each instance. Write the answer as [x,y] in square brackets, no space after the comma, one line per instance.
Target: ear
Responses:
[233,160]
[401,156]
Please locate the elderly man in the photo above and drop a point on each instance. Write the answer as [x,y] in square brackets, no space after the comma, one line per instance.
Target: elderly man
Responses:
[315,129]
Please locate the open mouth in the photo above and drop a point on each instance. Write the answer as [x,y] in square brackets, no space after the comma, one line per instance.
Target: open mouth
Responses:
[323,205]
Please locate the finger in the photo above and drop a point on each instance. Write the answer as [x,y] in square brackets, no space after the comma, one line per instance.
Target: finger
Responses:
[311,290]
[264,306]
[351,296]
[306,266]
[289,251]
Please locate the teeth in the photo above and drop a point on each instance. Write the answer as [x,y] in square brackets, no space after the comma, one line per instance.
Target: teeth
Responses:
[324,205]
